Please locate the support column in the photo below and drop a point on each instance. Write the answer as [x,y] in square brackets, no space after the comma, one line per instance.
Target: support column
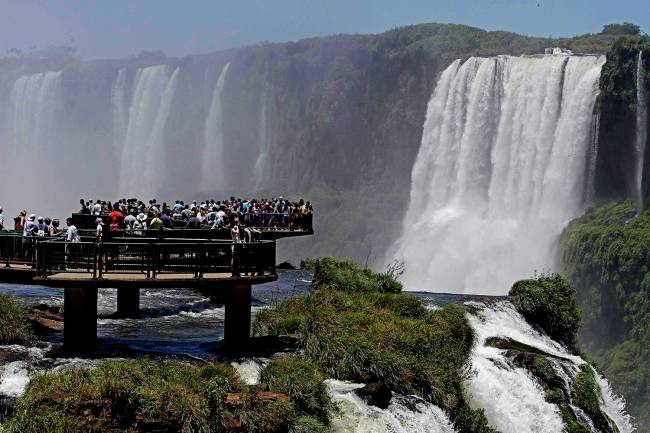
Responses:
[237,327]
[80,321]
[128,303]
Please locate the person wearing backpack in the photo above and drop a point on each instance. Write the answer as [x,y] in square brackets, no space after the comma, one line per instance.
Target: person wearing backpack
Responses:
[41,229]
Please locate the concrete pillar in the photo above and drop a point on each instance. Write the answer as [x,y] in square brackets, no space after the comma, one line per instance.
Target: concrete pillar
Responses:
[80,321]
[128,303]
[237,327]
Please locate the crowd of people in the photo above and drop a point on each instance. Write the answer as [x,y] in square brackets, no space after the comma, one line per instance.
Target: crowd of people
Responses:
[31,225]
[244,217]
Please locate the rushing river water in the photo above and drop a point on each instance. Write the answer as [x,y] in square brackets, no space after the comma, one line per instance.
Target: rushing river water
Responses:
[183,323]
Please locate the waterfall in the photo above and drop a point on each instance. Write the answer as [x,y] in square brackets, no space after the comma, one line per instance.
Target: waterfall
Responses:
[143,154]
[34,156]
[512,399]
[501,169]
[212,162]
[641,130]
[262,163]
[34,103]
[405,414]
[120,110]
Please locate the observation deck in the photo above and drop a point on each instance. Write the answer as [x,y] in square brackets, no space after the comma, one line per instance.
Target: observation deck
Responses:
[170,259]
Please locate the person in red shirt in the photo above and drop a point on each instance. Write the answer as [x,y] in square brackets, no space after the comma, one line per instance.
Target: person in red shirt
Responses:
[115,218]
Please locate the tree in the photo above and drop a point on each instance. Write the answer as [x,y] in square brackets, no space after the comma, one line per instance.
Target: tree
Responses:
[621,29]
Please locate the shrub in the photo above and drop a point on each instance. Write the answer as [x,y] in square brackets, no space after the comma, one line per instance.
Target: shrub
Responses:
[330,273]
[549,301]
[300,379]
[14,329]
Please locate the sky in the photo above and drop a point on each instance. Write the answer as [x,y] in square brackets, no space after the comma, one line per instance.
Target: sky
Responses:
[118,28]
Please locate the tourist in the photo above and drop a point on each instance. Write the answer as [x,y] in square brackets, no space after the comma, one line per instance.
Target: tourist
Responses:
[194,222]
[99,231]
[41,229]
[71,234]
[2,220]
[140,225]
[115,218]
[166,219]
[130,221]
[156,223]
[19,221]
[54,228]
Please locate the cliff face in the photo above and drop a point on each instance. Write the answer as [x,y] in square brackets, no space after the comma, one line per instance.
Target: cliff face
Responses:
[337,120]
[615,172]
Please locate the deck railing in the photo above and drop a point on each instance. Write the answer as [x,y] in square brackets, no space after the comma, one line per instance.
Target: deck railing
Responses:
[149,256]
[152,257]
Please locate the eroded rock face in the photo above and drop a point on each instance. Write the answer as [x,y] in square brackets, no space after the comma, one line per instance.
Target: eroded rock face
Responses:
[45,318]
[375,394]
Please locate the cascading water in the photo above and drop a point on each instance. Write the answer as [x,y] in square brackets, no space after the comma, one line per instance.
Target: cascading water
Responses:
[501,169]
[512,399]
[262,174]
[120,110]
[143,154]
[212,161]
[641,130]
[32,139]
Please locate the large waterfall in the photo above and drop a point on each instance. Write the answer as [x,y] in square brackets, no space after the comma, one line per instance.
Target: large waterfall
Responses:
[31,138]
[641,129]
[144,150]
[212,161]
[502,167]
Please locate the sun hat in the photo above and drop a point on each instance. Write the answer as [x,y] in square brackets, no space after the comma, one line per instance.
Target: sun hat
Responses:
[32,217]
[141,217]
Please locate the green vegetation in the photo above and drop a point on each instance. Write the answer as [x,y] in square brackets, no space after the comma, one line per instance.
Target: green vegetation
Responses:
[585,394]
[548,301]
[365,335]
[330,273]
[145,395]
[605,255]
[14,329]
[300,379]
[621,29]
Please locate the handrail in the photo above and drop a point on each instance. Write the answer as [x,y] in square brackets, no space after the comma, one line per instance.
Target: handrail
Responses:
[155,258]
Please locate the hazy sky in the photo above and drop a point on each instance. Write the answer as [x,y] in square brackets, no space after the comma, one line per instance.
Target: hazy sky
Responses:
[116,28]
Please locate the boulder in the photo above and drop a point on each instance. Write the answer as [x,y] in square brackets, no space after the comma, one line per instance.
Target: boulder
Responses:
[375,394]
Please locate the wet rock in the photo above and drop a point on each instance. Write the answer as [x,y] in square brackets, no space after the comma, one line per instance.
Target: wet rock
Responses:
[45,318]
[235,399]
[375,394]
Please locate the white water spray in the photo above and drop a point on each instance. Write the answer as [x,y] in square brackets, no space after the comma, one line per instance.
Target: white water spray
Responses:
[512,399]
[120,110]
[641,130]
[212,162]
[144,150]
[501,169]
[405,414]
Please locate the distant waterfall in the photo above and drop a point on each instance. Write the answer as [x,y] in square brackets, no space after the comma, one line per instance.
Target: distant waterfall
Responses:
[212,168]
[641,129]
[32,155]
[501,169]
[144,152]
[34,103]
[120,110]
[262,164]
